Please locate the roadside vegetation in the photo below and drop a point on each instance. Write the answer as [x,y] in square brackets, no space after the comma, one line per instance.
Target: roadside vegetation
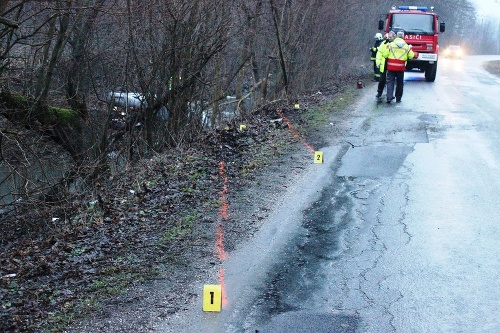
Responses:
[145,222]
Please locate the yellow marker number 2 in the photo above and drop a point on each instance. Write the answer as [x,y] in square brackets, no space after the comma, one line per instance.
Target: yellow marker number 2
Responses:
[318,157]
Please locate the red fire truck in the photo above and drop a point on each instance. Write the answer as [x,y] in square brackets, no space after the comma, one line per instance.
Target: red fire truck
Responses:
[421,28]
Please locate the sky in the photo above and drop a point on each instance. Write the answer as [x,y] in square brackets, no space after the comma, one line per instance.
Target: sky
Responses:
[488,8]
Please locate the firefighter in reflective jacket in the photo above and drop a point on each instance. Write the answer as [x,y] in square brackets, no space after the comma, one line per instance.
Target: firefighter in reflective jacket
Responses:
[396,54]
[380,63]
[373,53]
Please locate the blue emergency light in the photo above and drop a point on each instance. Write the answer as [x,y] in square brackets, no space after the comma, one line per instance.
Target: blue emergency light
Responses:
[421,8]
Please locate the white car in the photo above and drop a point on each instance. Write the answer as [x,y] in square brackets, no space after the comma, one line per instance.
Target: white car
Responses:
[453,51]
[127,99]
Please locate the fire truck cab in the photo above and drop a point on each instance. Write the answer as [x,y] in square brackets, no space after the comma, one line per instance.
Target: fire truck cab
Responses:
[421,28]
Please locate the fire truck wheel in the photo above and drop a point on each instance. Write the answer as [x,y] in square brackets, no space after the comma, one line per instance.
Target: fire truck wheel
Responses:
[430,72]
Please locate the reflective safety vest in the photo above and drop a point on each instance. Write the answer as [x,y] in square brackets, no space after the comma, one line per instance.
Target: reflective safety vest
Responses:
[397,53]
[374,49]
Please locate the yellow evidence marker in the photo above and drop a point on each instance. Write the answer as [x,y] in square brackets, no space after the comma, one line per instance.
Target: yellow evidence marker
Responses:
[318,157]
[297,106]
[212,297]
[243,127]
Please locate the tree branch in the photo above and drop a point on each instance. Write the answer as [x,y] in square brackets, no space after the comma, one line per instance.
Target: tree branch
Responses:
[9,23]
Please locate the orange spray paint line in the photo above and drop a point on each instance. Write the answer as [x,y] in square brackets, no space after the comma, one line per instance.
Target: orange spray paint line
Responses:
[223,195]
[219,244]
[224,206]
[294,132]
[221,168]
[223,213]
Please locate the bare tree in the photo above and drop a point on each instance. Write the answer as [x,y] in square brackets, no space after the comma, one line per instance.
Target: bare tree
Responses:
[170,59]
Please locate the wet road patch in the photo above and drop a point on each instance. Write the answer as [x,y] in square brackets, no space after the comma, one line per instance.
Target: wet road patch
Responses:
[373,161]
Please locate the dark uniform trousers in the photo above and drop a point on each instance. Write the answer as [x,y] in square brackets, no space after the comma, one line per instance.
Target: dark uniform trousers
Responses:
[397,78]
[382,81]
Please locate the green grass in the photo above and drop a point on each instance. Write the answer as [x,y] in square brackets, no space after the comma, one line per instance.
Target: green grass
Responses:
[316,117]
[182,228]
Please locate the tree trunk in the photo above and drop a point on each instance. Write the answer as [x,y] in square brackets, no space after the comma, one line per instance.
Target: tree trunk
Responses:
[280,46]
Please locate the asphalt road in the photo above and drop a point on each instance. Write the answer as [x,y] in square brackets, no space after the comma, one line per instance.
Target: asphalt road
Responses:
[397,231]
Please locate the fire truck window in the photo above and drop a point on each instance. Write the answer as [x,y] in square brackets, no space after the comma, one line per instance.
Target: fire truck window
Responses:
[412,23]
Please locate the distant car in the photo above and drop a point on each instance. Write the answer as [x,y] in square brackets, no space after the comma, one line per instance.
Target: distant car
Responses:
[453,51]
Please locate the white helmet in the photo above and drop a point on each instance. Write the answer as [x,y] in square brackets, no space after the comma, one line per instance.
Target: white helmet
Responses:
[378,36]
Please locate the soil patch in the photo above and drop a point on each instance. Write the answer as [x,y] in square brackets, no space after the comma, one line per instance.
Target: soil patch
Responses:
[493,67]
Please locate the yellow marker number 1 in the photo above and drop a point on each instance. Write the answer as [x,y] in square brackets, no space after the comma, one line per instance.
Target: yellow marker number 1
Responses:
[212,297]
[318,157]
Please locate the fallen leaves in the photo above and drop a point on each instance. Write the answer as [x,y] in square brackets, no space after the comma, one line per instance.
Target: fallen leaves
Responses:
[57,265]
